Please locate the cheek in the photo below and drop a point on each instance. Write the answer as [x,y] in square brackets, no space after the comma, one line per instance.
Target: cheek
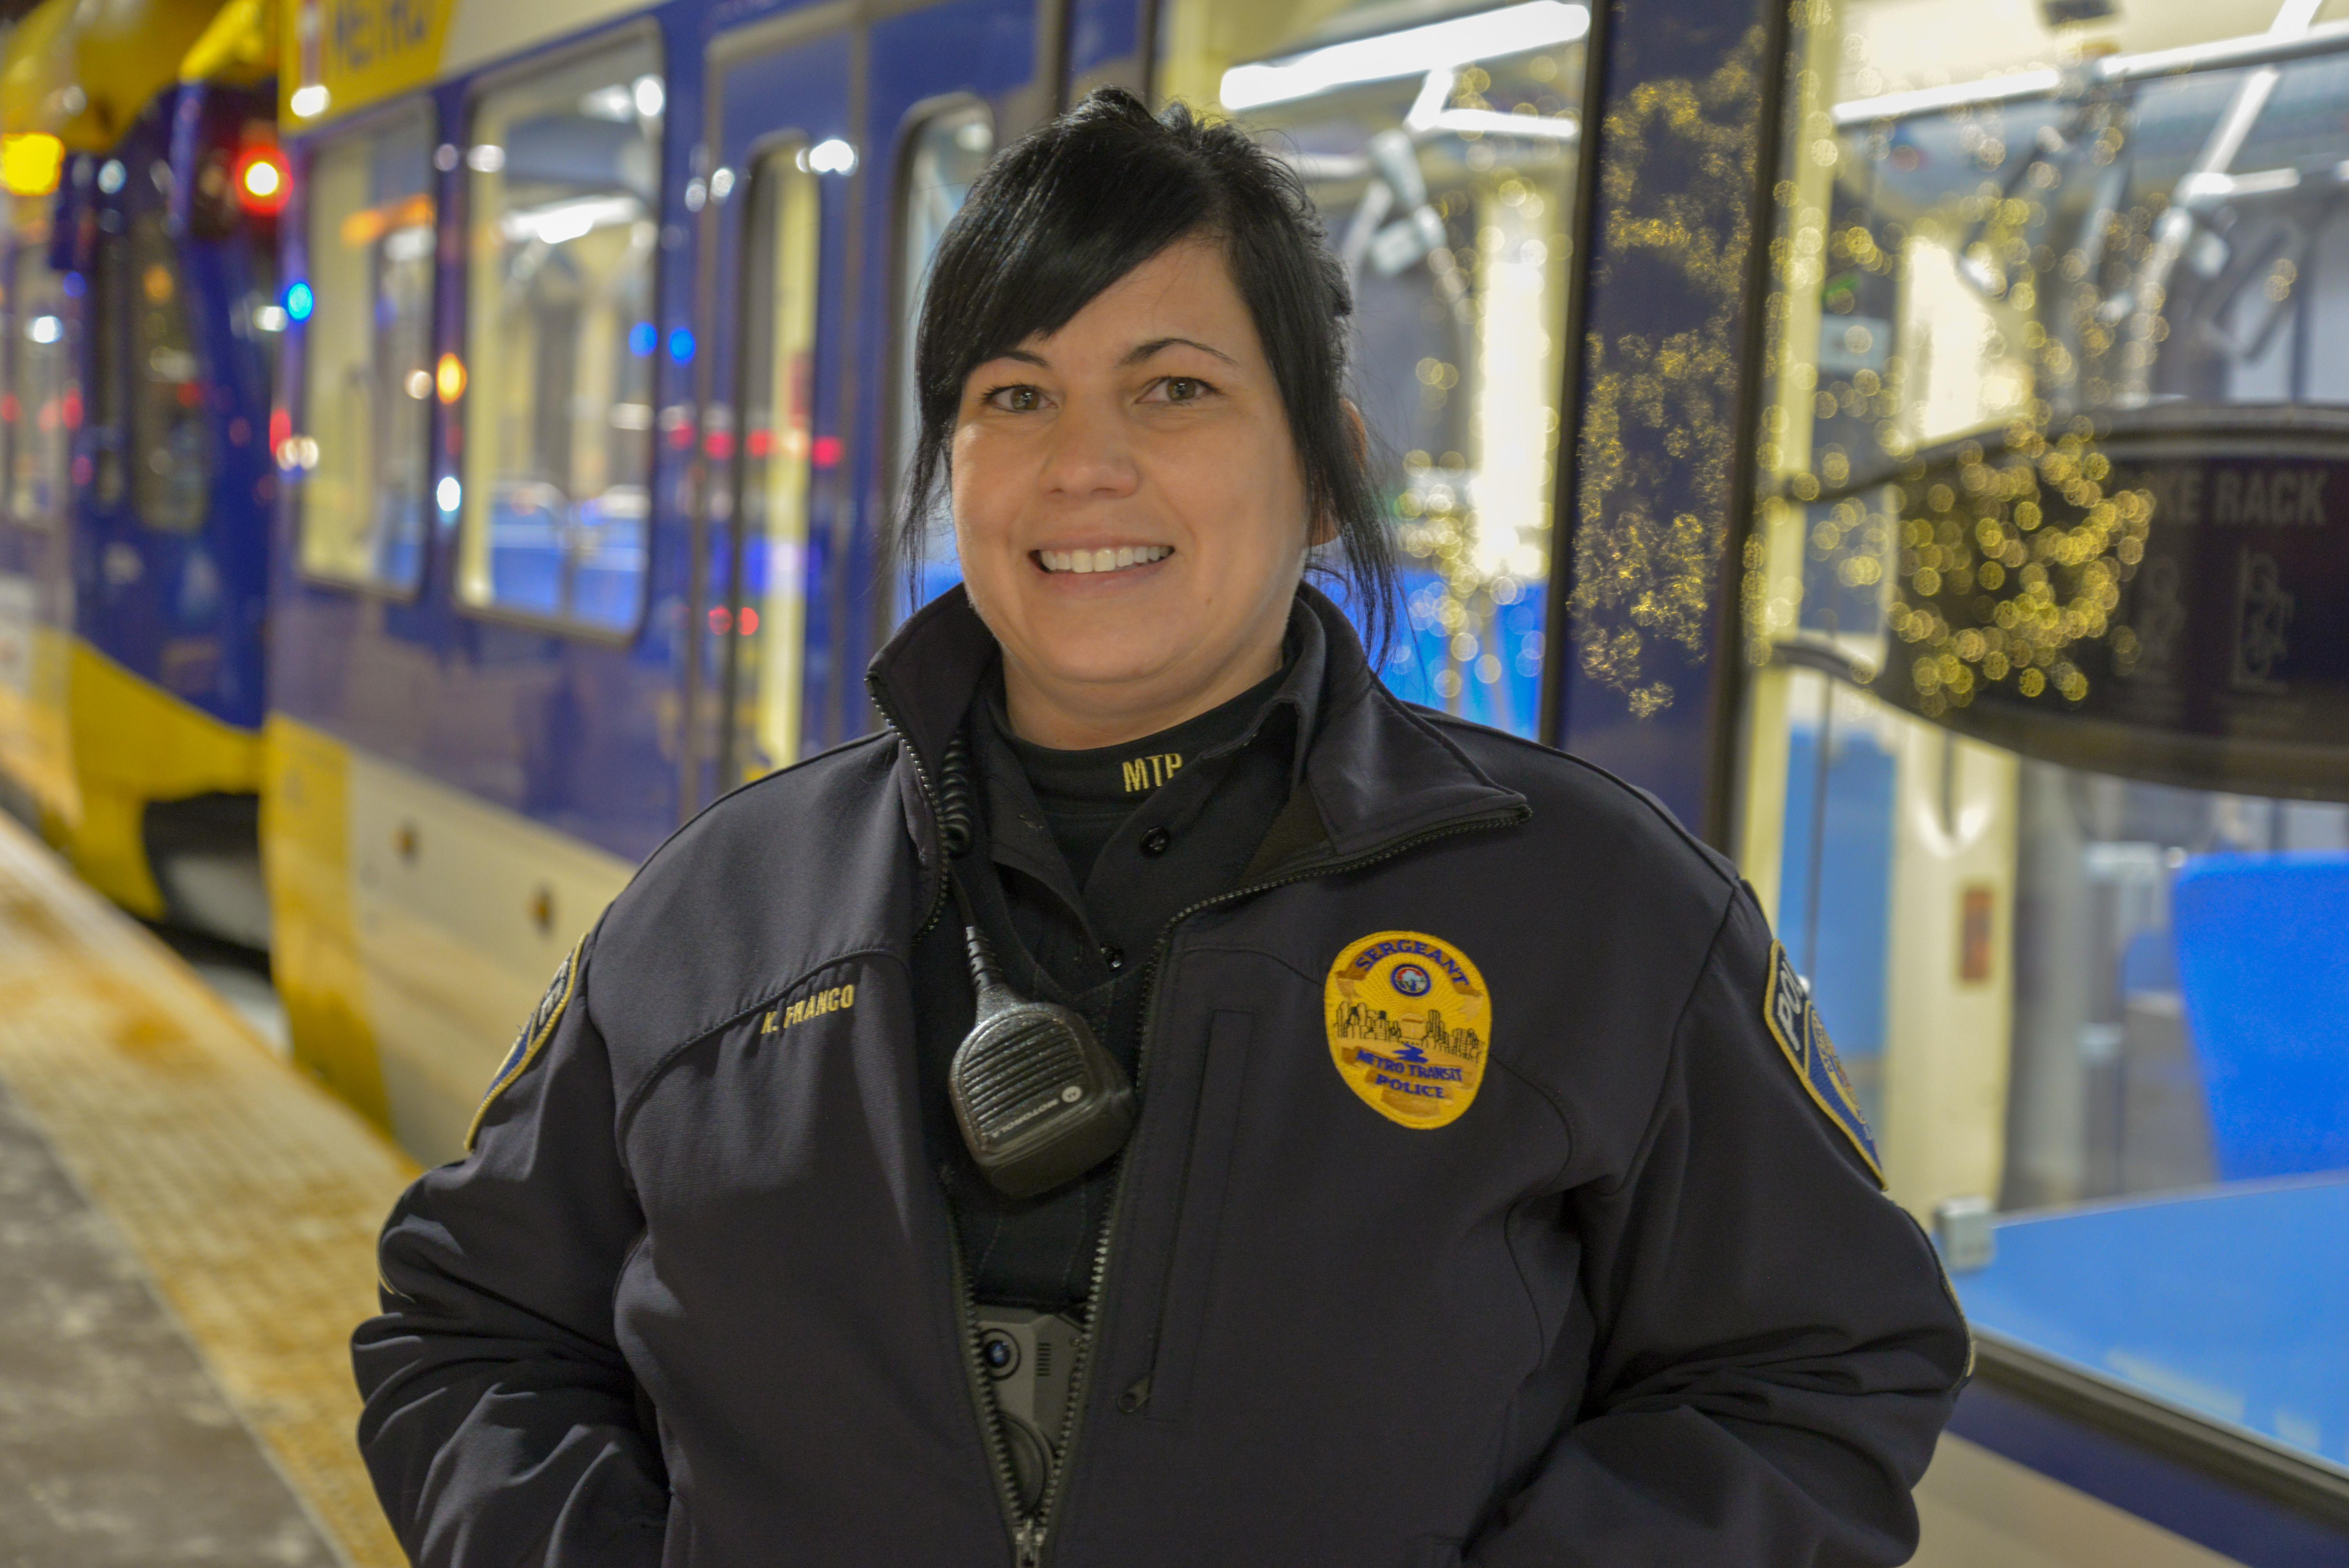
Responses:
[1242,501]
[985,498]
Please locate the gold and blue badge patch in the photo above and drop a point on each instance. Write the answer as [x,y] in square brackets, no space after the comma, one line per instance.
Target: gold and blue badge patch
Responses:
[1409,1024]
[1794,1024]
[533,1039]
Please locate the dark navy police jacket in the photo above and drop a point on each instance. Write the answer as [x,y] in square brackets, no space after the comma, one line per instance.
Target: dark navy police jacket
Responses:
[693,1298]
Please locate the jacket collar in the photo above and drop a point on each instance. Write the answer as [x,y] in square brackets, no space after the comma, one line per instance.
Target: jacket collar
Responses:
[1377,773]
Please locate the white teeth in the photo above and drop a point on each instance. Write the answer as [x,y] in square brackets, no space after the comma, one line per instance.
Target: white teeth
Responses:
[1107,560]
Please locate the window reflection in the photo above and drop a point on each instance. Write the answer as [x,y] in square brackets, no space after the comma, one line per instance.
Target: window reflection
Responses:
[1441,150]
[561,340]
[943,158]
[368,393]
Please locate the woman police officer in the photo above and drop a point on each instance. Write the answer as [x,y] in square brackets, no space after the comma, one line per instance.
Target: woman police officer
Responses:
[1163,1101]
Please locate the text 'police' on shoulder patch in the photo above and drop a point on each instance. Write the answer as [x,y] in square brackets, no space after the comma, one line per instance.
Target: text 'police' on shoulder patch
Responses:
[533,1036]
[1409,1024]
[1794,1024]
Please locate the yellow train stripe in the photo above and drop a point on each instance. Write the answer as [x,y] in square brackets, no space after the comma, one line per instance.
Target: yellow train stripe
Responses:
[133,742]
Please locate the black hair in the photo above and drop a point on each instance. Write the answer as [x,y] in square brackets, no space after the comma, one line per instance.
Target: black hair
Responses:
[1072,207]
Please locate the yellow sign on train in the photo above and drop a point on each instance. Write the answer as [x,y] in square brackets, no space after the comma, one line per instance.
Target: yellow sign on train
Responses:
[342,54]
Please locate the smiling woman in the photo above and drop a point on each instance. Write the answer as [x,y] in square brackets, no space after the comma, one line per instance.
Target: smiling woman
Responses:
[1147,1197]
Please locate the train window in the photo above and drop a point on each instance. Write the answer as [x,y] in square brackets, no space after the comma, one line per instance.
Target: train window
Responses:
[171,445]
[778,406]
[367,388]
[1441,151]
[943,157]
[562,341]
[2047,722]
[40,406]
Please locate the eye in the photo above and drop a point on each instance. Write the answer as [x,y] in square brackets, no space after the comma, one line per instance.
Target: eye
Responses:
[1019,399]
[1181,389]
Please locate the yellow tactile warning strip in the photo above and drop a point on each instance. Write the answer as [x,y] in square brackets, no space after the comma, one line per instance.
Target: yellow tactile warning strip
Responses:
[251,1196]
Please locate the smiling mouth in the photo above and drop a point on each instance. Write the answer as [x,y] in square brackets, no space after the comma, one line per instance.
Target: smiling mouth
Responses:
[1117,560]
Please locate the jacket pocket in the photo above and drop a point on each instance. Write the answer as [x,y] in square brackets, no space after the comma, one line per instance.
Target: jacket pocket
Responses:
[1190,1273]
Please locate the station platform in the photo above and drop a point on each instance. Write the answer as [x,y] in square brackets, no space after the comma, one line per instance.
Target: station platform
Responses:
[187,1238]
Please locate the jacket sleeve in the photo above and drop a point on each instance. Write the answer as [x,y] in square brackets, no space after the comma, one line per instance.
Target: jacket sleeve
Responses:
[1776,1346]
[500,1422]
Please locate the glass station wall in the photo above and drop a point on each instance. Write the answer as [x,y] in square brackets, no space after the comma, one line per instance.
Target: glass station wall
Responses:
[1440,142]
[2043,744]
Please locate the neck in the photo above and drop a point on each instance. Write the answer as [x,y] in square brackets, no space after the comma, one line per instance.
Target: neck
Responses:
[1068,715]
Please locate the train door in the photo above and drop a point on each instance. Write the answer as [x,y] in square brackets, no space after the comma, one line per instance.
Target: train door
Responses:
[776,226]
[838,152]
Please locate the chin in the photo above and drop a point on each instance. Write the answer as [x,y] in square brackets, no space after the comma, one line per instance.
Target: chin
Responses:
[1112,658]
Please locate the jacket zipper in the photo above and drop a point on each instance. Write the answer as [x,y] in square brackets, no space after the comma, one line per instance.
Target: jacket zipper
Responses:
[930,797]
[1027,1534]
[1025,1538]
[1030,1539]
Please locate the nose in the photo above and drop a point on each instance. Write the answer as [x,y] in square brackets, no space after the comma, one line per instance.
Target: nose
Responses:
[1090,457]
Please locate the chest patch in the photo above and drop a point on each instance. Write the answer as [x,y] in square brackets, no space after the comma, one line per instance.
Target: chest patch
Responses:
[1410,1022]
[1794,1024]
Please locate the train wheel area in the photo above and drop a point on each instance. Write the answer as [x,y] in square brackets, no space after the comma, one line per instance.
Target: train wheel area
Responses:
[188,1240]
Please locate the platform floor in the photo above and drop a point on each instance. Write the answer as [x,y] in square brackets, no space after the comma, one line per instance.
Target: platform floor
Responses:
[187,1238]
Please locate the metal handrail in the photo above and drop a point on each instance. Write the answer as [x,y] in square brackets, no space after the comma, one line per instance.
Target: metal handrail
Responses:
[2112,70]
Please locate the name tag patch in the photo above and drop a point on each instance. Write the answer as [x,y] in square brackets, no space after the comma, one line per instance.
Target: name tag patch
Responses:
[1409,1024]
[838,999]
[1794,1024]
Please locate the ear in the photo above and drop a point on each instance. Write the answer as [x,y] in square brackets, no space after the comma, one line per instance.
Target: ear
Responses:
[1357,435]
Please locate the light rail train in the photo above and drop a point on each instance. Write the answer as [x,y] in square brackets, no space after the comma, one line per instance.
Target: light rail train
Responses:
[1910,437]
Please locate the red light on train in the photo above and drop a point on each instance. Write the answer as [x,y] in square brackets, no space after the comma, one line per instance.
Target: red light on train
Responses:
[260,178]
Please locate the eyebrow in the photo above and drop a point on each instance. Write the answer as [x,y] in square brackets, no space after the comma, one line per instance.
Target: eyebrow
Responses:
[1133,356]
[1142,351]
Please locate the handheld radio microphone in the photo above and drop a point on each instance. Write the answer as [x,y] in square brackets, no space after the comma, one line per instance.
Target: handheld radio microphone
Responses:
[1037,1099]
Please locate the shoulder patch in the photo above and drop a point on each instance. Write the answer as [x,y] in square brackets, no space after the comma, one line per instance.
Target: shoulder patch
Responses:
[533,1039]
[1794,1024]
[1410,1023]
